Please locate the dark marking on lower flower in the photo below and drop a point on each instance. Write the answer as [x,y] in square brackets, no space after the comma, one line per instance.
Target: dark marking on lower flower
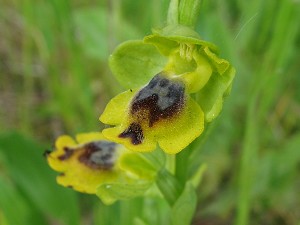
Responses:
[161,98]
[68,153]
[135,132]
[98,155]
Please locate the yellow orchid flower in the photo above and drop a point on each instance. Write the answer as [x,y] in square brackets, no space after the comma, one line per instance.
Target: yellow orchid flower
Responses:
[90,162]
[86,162]
[162,111]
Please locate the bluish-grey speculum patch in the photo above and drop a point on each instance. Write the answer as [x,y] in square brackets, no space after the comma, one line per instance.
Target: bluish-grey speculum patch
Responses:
[99,154]
[161,98]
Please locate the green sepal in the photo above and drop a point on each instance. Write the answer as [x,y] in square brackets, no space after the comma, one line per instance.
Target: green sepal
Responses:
[138,165]
[112,192]
[169,38]
[185,206]
[134,63]
[210,98]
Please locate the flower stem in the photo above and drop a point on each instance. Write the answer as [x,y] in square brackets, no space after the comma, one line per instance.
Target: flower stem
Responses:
[173,15]
[188,12]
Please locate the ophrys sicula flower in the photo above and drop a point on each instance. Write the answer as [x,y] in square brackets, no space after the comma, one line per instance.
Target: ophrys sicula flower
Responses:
[91,164]
[177,63]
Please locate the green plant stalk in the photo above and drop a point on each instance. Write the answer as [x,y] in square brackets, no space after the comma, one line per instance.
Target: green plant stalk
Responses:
[189,12]
[184,12]
[173,15]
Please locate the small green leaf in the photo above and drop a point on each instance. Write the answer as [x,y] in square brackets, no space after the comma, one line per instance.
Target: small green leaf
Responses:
[134,63]
[109,193]
[185,206]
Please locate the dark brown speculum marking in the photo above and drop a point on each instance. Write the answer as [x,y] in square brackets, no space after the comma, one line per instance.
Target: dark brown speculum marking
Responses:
[98,155]
[135,132]
[162,98]
[68,153]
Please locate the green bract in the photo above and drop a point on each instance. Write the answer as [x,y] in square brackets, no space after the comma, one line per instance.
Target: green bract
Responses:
[161,72]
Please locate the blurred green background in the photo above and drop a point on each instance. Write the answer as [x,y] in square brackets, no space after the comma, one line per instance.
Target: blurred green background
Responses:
[55,79]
